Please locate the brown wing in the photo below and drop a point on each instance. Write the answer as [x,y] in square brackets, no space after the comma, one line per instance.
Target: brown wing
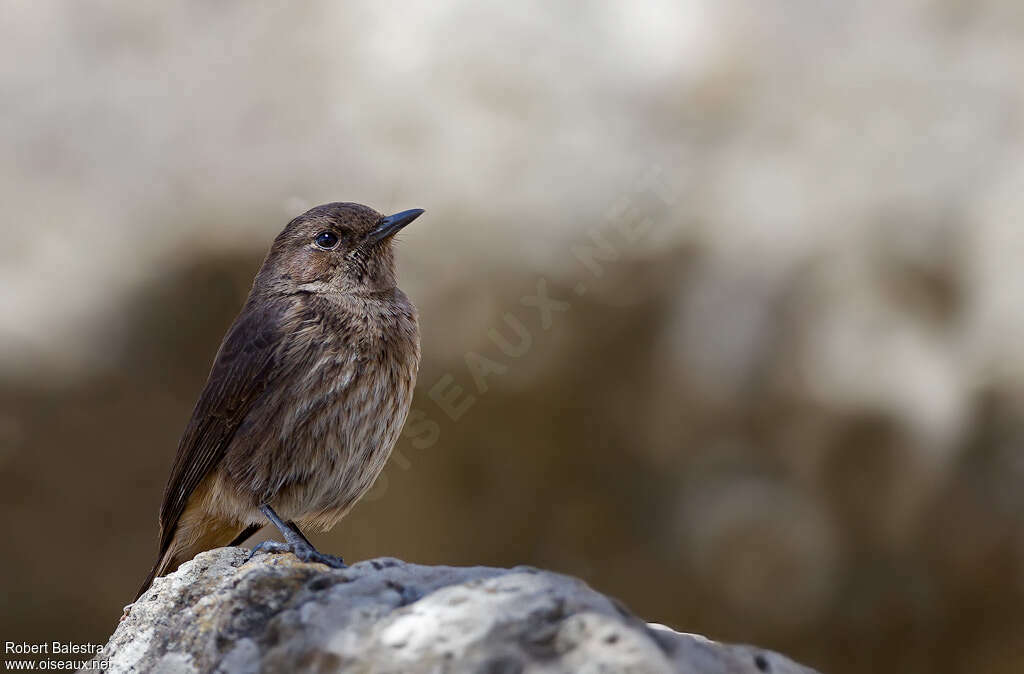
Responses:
[243,368]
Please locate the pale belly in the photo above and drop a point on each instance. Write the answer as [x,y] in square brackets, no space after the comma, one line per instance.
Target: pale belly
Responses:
[346,460]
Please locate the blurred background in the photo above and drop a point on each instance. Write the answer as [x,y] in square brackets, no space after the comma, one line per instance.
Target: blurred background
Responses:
[746,280]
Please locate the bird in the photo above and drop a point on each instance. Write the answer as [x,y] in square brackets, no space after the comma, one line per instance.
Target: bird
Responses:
[307,395]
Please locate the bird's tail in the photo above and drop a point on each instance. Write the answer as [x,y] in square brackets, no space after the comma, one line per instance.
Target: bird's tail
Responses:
[165,564]
[190,540]
[146,583]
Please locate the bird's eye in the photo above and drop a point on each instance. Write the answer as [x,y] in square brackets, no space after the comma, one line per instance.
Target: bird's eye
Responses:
[326,240]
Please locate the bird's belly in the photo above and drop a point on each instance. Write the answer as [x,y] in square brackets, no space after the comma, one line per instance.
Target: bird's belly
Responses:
[330,455]
[342,470]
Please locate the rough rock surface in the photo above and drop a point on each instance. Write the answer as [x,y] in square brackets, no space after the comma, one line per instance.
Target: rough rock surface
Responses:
[277,614]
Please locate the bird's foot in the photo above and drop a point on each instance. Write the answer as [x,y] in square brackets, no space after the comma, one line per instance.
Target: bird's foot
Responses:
[269,547]
[304,551]
[308,553]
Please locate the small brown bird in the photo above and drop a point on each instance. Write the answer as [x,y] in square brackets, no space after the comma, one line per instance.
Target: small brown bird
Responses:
[307,395]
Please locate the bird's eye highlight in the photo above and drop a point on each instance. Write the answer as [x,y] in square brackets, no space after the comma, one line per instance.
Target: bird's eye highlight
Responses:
[326,240]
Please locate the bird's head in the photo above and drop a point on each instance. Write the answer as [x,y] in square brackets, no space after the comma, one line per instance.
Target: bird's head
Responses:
[338,247]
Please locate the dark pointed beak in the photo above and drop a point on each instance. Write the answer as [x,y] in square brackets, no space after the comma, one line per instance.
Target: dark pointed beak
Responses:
[390,225]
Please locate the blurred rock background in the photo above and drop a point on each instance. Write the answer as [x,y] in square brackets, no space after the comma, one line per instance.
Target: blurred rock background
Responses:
[779,401]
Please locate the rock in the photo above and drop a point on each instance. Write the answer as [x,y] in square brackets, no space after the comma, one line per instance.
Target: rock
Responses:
[218,613]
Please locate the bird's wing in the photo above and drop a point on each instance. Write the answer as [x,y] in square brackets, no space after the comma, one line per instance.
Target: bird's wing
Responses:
[247,362]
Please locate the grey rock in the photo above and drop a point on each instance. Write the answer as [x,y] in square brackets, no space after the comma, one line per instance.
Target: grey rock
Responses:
[218,613]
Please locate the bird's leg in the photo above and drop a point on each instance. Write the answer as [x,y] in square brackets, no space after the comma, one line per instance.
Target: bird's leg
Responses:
[296,543]
[298,532]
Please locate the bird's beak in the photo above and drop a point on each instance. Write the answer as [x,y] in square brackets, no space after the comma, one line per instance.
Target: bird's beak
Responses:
[390,225]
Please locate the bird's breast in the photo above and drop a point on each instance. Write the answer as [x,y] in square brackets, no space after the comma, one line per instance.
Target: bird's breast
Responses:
[338,420]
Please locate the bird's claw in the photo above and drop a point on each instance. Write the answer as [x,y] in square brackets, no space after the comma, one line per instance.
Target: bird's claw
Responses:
[306,553]
[269,547]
